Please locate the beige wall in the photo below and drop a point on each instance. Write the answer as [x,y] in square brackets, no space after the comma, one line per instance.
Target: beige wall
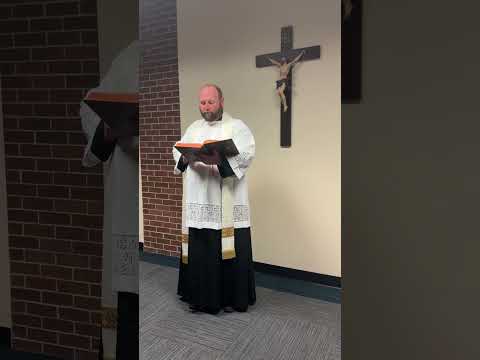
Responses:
[5,311]
[294,193]
[117,27]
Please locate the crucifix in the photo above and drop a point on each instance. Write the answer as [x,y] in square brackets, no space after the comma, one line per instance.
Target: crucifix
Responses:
[285,60]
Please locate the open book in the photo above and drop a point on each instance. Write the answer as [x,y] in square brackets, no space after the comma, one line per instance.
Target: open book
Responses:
[226,148]
[118,110]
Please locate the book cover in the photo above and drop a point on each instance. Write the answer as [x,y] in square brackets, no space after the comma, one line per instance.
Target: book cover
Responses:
[226,148]
[118,110]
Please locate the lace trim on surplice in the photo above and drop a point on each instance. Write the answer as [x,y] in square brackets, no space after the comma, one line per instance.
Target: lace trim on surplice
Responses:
[209,213]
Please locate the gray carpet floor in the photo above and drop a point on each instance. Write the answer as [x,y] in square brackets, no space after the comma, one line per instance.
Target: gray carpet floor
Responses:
[279,326]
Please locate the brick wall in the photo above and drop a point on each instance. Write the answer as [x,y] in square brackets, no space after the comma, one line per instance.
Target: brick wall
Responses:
[48,59]
[160,127]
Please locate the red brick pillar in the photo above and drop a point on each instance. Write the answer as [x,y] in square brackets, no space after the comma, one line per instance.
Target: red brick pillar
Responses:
[160,127]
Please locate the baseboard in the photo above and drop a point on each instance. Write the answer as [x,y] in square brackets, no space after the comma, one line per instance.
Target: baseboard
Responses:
[304,283]
[326,280]
[5,337]
[160,259]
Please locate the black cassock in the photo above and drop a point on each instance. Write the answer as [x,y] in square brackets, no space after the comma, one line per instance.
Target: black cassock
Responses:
[209,283]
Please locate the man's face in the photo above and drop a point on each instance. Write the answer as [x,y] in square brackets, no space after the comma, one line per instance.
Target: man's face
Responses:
[211,107]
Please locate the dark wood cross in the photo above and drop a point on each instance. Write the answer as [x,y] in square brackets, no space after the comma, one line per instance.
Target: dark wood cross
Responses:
[289,53]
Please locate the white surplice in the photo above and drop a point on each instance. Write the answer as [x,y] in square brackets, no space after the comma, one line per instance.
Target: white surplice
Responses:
[202,193]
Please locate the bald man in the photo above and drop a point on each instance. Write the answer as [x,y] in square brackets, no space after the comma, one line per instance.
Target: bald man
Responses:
[216,267]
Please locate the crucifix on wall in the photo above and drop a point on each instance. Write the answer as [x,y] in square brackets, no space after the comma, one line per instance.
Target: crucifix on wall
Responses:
[285,60]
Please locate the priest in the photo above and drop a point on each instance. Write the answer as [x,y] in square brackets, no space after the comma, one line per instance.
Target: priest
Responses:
[216,266]
[119,155]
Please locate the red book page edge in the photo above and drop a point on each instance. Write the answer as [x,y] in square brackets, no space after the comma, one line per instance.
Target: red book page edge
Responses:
[113,97]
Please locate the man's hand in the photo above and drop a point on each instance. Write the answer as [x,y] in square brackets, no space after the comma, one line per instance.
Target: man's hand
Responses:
[213,159]
[189,159]
[108,134]
[126,132]
[129,145]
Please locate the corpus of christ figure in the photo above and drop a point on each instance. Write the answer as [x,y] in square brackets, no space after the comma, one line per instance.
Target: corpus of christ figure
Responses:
[284,68]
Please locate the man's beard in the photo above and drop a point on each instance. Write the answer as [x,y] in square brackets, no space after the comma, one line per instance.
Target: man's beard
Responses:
[212,116]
